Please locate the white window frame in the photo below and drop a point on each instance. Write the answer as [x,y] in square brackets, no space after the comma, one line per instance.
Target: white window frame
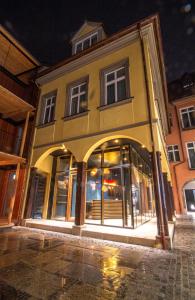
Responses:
[173,151]
[79,94]
[186,112]
[115,81]
[82,42]
[187,148]
[46,106]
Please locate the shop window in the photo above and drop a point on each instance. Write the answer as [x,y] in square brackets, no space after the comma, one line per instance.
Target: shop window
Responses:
[173,153]
[191,154]
[188,117]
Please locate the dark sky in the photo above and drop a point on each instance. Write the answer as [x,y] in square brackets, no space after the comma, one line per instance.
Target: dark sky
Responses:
[45,27]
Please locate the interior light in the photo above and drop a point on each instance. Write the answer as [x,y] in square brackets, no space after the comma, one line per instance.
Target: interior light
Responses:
[14,176]
[116,141]
[143,146]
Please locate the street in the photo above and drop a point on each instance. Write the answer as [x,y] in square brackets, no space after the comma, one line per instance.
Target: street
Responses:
[38,265]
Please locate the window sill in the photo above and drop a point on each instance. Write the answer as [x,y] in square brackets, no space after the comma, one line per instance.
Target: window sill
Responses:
[46,124]
[188,128]
[67,118]
[107,106]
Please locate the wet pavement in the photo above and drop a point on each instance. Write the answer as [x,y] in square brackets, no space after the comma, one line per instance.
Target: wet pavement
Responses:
[38,265]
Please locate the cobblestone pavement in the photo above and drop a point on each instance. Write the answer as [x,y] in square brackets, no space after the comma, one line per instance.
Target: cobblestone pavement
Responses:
[37,265]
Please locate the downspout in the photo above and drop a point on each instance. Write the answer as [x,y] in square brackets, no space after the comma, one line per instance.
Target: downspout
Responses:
[162,232]
[181,162]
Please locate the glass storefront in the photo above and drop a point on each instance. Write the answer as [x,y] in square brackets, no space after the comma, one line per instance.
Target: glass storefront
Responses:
[119,186]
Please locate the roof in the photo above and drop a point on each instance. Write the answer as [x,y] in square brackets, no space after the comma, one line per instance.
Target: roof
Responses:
[12,51]
[92,25]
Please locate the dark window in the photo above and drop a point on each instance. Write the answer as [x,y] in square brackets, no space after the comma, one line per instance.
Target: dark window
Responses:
[49,109]
[188,117]
[116,88]
[78,99]
[191,154]
[173,153]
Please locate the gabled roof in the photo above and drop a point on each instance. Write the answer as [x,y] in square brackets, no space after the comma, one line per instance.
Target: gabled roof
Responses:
[87,27]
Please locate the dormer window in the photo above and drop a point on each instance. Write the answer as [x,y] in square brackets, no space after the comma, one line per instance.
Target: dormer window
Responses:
[86,43]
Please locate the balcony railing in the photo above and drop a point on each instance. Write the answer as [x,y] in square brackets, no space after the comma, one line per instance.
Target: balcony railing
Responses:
[10,142]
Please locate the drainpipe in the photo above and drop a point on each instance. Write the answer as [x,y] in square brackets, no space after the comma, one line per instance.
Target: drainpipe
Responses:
[181,162]
[154,157]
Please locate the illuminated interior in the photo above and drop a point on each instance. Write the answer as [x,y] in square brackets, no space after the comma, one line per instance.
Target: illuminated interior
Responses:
[119,185]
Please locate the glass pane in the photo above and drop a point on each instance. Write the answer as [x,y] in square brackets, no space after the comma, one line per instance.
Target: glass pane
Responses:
[46,120]
[125,154]
[48,101]
[61,195]
[83,87]
[94,161]
[94,39]
[110,94]
[192,158]
[186,122]
[177,158]
[74,106]
[73,201]
[75,90]
[52,113]
[112,190]
[83,103]
[110,77]
[93,197]
[111,158]
[192,118]
[63,164]
[79,48]
[171,157]
[121,73]
[121,90]
[86,44]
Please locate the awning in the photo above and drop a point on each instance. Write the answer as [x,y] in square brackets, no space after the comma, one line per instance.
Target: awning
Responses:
[12,106]
[10,159]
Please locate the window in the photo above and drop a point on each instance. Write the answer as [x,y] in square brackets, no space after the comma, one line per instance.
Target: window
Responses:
[191,154]
[78,98]
[115,84]
[48,109]
[188,117]
[173,153]
[86,43]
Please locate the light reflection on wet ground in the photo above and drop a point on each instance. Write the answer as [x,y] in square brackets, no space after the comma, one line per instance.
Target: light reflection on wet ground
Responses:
[34,265]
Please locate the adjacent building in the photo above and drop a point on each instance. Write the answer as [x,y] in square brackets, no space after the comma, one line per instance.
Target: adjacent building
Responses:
[99,154]
[18,96]
[181,142]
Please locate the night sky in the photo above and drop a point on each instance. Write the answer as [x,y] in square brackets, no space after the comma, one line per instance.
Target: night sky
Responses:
[46,27]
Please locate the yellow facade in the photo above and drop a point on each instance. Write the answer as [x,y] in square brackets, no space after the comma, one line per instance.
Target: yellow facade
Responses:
[129,119]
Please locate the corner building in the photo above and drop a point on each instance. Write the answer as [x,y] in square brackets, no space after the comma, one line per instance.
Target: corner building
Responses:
[99,154]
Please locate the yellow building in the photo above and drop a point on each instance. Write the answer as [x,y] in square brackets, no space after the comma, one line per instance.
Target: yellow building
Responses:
[99,152]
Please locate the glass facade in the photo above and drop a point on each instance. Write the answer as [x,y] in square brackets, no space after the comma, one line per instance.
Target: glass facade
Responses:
[119,187]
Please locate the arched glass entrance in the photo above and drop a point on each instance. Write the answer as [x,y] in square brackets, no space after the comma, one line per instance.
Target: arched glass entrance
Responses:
[189,191]
[54,192]
[119,185]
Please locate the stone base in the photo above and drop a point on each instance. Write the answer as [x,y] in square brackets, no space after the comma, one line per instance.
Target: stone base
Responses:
[168,242]
[77,230]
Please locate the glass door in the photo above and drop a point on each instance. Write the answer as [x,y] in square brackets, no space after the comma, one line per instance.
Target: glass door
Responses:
[61,196]
[73,198]
[112,197]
